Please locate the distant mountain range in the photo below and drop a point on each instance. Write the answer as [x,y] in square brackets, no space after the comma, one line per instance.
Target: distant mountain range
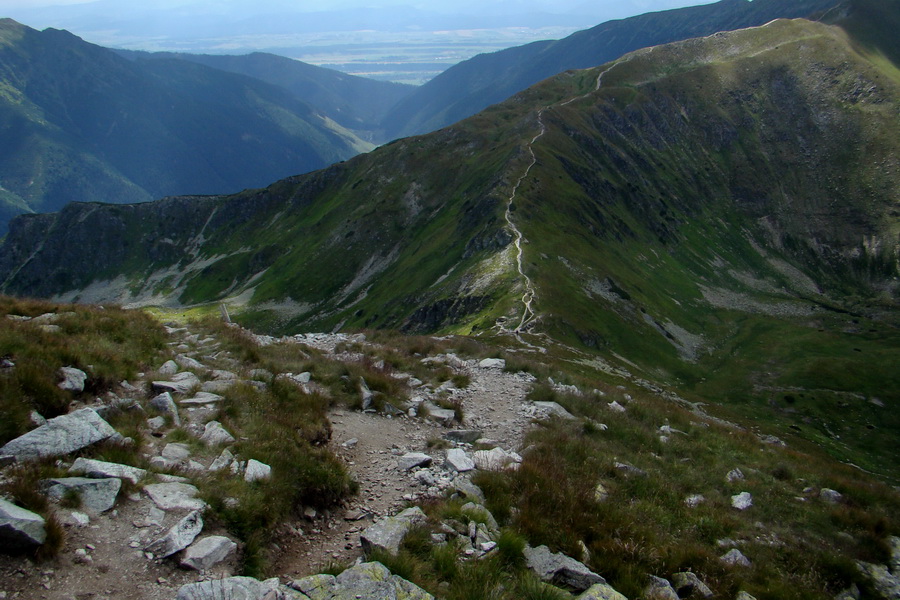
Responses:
[475,84]
[82,123]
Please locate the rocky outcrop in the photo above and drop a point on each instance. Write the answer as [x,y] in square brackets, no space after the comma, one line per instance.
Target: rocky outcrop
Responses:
[60,435]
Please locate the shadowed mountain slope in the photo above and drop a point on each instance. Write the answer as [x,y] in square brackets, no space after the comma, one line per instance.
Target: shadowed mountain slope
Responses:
[81,123]
[354,102]
[472,85]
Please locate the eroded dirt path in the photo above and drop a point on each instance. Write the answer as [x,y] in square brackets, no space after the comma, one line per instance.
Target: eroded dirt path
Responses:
[494,403]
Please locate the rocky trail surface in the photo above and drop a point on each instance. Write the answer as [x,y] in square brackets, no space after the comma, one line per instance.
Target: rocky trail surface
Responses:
[137,548]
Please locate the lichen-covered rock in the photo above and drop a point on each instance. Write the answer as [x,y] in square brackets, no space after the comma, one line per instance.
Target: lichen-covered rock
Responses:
[256,471]
[687,584]
[560,570]
[60,435]
[387,534]
[230,588]
[370,580]
[886,585]
[20,529]
[659,589]
[601,591]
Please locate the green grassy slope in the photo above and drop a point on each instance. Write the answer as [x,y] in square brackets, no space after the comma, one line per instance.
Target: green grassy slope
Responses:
[719,216]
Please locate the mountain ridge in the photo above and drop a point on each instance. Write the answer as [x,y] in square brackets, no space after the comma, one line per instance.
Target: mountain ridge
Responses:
[470,86]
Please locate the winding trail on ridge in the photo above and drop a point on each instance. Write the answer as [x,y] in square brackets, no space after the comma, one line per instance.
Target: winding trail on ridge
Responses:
[528,313]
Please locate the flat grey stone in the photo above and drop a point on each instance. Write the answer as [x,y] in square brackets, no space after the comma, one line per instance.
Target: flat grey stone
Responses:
[61,435]
[20,529]
[176,451]
[186,362]
[223,461]
[492,363]
[442,416]
[411,460]
[459,461]
[660,589]
[464,436]
[464,487]
[180,383]
[174,496]
[201,399]
[231,588]
[559,569]
[554,409]
[218,386]
[829,495]
[97,495]
[178,537]
[206,553]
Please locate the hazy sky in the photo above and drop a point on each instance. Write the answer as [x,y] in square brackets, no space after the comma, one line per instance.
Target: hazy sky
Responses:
[400,40]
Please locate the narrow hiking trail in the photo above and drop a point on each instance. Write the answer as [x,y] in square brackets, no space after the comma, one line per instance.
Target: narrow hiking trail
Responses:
[494,403]
[529,316]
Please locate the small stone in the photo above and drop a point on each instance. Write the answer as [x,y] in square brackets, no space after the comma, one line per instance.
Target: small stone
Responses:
[616,407]
[742,501]
[214,434]
[176,451]
[734,475]
[256,471]
[492,363]
[694,501]
[72,379]
[832,496]
[735,558]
